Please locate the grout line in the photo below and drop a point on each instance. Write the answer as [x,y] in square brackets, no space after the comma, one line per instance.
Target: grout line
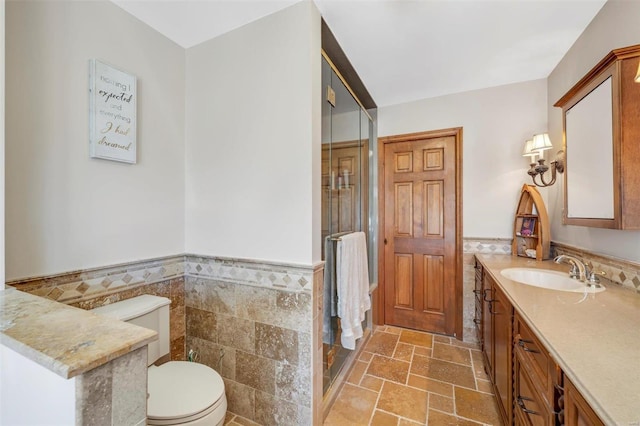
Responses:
[473,370]
[455,406]
[397,415]
[375,406]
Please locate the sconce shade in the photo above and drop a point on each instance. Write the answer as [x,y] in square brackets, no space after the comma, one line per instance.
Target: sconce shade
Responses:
[637,79]
[541,142]
[528,150]
[537,146]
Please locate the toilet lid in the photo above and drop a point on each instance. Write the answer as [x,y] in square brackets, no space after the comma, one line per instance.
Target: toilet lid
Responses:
[180,389]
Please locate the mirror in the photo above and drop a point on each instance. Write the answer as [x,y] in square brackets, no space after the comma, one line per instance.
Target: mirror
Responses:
[601,133]
[589,155]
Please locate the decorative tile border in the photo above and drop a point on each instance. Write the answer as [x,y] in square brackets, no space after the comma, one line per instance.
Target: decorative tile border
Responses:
[619,271]
[487,245]
[77,286]
[255,273]
[86,284]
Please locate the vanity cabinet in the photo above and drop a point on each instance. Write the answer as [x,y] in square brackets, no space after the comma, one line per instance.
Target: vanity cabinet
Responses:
[530,387]
[497,347]
[601,131]
[577,410]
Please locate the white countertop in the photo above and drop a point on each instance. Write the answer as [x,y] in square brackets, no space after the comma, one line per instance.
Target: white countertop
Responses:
[594,338]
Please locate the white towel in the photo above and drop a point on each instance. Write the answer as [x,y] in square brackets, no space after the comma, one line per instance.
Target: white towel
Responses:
[352,276]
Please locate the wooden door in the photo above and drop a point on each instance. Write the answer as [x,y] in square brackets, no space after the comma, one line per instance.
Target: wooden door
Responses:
[421,231]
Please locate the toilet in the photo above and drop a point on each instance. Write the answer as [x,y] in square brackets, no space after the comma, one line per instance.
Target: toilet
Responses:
[179,392]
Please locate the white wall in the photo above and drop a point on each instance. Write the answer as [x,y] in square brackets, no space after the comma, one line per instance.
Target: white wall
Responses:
[32,394]
[616,25]
[2,109]
[253,140]
[495,122]
[65,211]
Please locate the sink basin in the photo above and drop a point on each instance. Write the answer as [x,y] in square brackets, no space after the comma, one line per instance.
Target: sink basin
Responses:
[544,278]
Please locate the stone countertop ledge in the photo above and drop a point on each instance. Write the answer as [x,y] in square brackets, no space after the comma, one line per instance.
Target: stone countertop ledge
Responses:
[66,340]
[594,338]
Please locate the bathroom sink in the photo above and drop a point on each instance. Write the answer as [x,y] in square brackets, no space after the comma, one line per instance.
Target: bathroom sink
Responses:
[544,278]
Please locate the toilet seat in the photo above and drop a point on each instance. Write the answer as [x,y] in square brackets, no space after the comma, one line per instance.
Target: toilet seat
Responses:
[181,392]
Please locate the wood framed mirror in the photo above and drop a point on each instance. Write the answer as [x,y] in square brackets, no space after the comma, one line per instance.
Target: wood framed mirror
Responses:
[601,131]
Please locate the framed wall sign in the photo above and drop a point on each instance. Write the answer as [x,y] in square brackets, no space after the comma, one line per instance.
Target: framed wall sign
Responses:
[112,113]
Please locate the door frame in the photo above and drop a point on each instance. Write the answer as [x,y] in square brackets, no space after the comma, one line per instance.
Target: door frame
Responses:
[456,132]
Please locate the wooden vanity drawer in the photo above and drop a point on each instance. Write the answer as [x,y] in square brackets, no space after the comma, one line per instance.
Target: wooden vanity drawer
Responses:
[543,370]
[530,408]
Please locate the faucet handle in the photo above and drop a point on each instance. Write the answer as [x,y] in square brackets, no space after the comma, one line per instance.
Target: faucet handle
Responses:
[575,271]
[593,278]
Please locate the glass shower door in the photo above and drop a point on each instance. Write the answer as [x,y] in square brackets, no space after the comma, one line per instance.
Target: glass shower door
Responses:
[345,159]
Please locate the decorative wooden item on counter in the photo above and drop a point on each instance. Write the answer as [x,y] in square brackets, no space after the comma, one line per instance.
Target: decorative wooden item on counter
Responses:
[531,232]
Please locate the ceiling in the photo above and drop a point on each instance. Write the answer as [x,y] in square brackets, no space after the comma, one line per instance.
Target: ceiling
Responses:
[407,50]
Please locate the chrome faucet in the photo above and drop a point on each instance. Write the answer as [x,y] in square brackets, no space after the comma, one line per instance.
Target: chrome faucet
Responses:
[580,270]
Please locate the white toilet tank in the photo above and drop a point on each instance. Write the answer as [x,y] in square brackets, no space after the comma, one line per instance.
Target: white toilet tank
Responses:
[145,311]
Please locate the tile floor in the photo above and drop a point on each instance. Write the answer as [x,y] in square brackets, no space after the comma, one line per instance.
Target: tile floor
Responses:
[235,420]
[405,377]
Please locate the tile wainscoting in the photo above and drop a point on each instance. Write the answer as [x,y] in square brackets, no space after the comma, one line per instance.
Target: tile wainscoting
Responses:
[254,323]
[257,323]
[471,246]
[618,271]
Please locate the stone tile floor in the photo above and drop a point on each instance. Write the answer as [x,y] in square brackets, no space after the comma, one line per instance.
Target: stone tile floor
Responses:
[405,377]
[235,420]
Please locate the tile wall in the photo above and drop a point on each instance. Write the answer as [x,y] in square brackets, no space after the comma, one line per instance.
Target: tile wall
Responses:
[111,394]
[471,246]
[617,271]
[172,289]
[253,322]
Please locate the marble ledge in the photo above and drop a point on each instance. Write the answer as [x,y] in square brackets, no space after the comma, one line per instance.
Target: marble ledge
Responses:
[66,340]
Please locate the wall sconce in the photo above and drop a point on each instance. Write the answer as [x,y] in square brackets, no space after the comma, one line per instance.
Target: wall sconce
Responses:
[537,146]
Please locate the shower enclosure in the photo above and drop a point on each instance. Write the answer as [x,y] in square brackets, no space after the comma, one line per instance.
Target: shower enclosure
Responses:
[346,173]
